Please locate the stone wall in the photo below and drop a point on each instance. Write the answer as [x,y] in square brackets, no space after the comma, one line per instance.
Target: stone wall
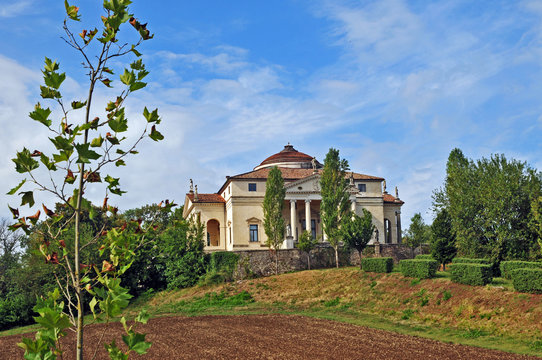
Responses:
[256,263]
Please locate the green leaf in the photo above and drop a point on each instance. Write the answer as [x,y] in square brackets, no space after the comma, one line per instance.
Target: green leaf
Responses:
[97,142]
[54,79]
[85,154]
[143,317]
[41,115]
[50,65]
[14,190]
[71,11]
[28,198]
[151,116]
[92,304]
[24,162]
[62,143]
[136,53]
[138,65]
[137,85]
[48,93]
[118,122]
[47,162]
[155,134]
[136,342]
[128,77]
[78,104]
[114,352]
[120,163]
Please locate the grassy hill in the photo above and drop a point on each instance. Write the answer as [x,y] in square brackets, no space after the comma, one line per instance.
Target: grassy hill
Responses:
[491,316]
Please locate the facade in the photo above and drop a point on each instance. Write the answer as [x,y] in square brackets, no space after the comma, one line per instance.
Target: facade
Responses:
[233,216]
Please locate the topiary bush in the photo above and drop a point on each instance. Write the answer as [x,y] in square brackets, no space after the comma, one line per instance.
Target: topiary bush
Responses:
[471,261]
[419,268]
[378,265]
[471,274]
[424,257]
[507,266]
[527,280]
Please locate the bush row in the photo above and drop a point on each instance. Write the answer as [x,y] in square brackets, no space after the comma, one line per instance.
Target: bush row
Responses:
[378,265]
[527,280]
[471,261]
[508,266]
[419,268]
[471,273]
[424,257]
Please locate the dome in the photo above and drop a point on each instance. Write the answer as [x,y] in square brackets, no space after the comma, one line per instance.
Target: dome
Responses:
[289,157]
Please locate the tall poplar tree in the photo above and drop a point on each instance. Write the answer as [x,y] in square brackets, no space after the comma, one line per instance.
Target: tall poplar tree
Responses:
[443,247]
[335,198]
[273,204]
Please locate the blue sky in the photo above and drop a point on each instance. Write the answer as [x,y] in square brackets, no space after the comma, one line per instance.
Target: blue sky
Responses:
[394,85]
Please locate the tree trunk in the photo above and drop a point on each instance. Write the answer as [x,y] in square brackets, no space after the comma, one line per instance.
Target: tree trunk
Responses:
[337,256]
[359,260]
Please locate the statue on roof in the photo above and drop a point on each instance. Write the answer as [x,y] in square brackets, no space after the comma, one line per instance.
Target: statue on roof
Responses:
[352,178]
[396,193]
[191,186]
[313,161]
[384,186]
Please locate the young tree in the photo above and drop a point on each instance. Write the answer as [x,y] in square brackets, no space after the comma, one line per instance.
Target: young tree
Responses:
[357,231]
[536,218]
[306,244]
[335,204]
[83,145]
[273,204]
[417,233]
[443,247]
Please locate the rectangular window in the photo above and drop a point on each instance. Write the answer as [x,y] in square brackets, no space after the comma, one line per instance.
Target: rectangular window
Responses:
[362,187]
[313,228]
[253,233]
[251,186]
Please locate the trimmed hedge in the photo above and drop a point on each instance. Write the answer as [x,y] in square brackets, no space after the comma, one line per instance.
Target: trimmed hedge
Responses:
[378,265]
[424,257]
[471,274]
[224,263]
[419,268]
[471,261]
[508,266]
[527,280]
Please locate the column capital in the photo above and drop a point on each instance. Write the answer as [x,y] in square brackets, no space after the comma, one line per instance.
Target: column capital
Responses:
[293,201]
[307,200]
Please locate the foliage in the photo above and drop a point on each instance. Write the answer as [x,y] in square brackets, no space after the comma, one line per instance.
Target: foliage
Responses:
[273,204]
[443,247]
[378,265]
[418,233]
[424,257]
[185,261]
[223,263]
[357,231]
[535,222]
[462,260]
[508,266]
[335,205]
[471,274]
[79,157]
[306,244]
[527,280]
[489,202]
[422,269]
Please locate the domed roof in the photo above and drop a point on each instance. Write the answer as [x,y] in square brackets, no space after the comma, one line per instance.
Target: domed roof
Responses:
[288,157]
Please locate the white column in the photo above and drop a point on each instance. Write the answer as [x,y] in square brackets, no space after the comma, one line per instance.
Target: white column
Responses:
[353,206]
[293,218]
[308,215]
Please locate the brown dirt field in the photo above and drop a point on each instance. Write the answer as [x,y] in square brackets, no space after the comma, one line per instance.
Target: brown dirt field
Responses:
[271,337]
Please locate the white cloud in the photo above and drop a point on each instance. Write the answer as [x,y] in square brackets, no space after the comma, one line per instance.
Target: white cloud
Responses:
[15,8]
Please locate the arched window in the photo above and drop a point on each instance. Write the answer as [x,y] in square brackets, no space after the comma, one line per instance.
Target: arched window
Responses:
[213,233]
[387,231]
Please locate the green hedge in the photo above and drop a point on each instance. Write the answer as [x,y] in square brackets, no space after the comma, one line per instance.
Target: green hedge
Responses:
[419,268]
[424,257]
[379,265]
[471,261]
[508,266]
[527,280]
[224,263]
[471,274]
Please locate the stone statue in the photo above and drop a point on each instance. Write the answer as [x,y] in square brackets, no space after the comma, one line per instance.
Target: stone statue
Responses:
[352,178]
[396,193]
[191,186]
[384,185]
[313,161]
[289,230]
[196,193]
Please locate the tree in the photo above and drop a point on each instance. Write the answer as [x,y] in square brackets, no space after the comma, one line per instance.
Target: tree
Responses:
[489,202]
[10,243]
[417,233]
[357,231]
[335,204]
[306,244]
[83,146]
[443,247]
[273,204]
[536,218]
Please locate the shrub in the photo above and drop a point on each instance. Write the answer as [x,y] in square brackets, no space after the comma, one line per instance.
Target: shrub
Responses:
[508,266]
[527,280]
[471,274]
[223,263]
[424,257]
[379,265]
[419,268]
[471,261]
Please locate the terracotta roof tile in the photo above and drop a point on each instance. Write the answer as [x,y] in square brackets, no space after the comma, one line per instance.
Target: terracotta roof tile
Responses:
[392,199]
[290,174]
[207,198]
[288,154]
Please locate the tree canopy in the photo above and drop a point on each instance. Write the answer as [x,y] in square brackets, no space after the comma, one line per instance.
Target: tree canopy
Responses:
[357,231]
[273,204]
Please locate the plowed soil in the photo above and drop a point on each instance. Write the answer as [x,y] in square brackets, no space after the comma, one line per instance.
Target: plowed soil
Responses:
[269,337]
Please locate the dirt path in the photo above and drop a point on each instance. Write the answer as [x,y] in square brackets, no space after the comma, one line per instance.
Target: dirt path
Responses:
[273,337]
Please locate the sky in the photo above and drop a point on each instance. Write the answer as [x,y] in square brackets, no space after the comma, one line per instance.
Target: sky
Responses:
[394,85]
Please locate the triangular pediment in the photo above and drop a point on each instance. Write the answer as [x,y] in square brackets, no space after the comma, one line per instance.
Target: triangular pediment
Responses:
[310,183]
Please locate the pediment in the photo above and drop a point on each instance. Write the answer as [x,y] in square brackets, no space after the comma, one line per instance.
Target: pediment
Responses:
[310,183]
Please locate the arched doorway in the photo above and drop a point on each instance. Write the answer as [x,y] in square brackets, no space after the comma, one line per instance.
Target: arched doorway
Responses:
[213,233]
[387,231]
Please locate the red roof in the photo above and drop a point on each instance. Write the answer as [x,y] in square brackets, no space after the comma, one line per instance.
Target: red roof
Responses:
[392,199]
[206,198]
[288,154]
[292,174]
